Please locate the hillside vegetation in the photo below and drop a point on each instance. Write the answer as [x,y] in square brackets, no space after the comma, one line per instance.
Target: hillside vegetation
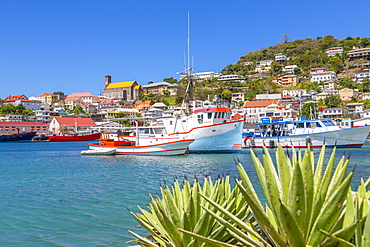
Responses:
[305,53]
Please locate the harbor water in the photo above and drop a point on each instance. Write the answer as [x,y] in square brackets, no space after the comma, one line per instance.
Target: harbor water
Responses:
[53,196]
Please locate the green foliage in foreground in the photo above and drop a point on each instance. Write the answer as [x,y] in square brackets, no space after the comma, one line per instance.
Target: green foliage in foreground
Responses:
[185,208]
[308,204]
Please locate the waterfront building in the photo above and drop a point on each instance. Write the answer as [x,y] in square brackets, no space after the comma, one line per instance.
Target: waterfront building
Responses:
[12,127]
[253,108]
[70,125]
[361,53]
[160,88]
[125,91]
[333,51]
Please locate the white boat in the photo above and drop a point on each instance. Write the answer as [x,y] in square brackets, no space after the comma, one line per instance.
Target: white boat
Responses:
[211,129]
[300,132]
[142,141]
[107,151]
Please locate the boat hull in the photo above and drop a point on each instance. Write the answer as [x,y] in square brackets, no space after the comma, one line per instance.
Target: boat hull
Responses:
[344,138]
[170,148]
[17,137]
[216,138]
[90,137]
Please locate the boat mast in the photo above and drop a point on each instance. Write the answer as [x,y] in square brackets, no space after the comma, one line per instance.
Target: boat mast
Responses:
[188,71]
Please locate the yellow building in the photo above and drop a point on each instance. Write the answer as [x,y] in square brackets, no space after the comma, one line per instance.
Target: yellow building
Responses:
[126,91]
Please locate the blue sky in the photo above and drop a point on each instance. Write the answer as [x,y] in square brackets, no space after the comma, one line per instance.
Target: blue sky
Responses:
[69,46]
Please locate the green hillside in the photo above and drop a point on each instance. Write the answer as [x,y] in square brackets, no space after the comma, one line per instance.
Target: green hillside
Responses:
[305,53]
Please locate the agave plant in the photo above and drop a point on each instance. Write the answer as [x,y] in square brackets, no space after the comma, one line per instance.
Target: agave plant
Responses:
[183,207]
[306,206]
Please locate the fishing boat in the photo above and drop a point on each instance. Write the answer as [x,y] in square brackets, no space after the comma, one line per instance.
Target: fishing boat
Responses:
[301,132]
[27,136]
[142,141]
[108,151]
[74,138]
[210,126]
[211,129]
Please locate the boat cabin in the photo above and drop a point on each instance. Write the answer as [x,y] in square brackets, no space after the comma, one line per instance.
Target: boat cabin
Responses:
[277,126]
[212,115]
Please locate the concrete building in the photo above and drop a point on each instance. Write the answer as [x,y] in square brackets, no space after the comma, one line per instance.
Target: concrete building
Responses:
[317,70]
[289,69]
[361,53]
[237,97]
[296,93]
[237,78]
[334,112]
[202,76]
[74,99]
[334,51]
[287,80]
[70,125]
[160,88]
[323,76]
[22,99]
[361,75]
[346,94]
[280,58]
[19,127]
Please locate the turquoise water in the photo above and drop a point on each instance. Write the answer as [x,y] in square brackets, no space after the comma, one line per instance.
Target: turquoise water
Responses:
[53,196]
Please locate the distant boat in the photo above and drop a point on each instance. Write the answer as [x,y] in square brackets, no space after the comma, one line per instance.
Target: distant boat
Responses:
[75,138]
[17,137]
[300,132]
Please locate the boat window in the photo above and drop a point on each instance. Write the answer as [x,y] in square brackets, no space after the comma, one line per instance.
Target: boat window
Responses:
[308,125]
[209,115]
[200,116]
[170,122]
[223,114]
[144,131]
[328,123]
[158,131]
[300,125]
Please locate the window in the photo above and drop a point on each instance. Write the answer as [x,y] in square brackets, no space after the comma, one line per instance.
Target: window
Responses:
[209,115]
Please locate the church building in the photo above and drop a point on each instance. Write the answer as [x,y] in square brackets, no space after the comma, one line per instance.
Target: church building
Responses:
[125,91]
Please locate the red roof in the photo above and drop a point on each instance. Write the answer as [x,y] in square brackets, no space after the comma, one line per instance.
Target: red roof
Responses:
[74,121]
[17,97]
[260,103]
[21,123]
